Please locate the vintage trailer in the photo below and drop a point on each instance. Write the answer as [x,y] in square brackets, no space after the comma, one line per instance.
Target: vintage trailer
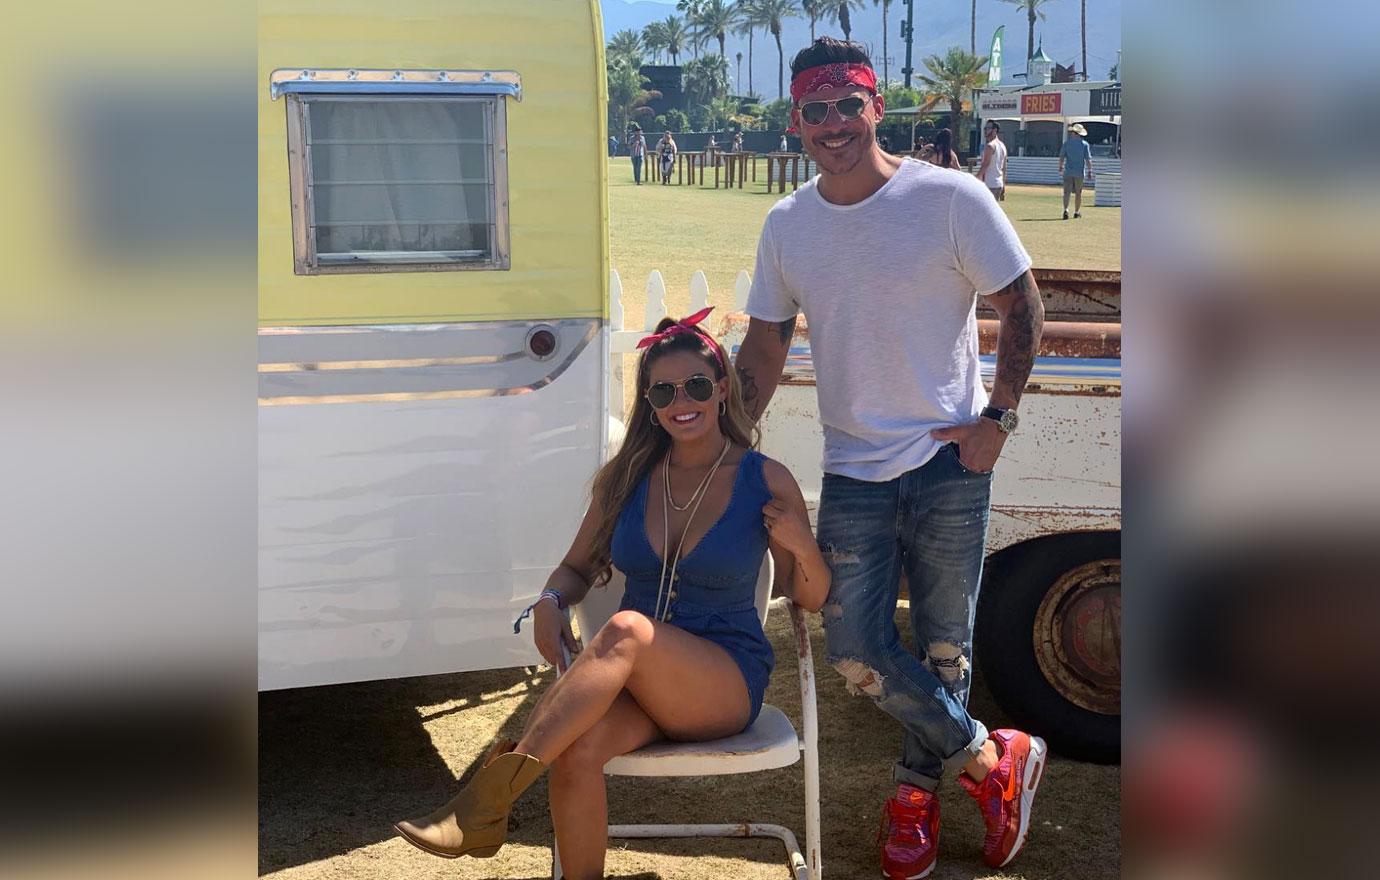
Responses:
[433,262]
[1048,639]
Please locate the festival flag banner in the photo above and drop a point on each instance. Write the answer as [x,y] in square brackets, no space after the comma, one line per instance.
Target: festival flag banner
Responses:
[994,59]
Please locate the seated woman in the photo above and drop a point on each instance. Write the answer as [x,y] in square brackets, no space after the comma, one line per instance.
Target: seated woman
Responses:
[685,510]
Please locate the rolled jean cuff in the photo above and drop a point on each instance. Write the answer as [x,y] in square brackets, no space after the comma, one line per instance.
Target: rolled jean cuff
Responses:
[955,762]
[901,774]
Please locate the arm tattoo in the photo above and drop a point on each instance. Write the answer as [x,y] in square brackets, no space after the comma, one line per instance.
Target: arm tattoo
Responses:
[786,329]
[1019,338]
[745,378]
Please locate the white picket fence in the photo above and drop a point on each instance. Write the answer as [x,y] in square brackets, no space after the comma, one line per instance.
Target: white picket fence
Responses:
[623,339]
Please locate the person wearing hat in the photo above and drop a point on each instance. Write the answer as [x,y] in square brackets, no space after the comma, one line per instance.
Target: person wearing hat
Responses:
[637,149]
[1075,157]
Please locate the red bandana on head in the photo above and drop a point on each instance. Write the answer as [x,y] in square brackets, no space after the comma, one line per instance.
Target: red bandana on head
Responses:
[823,76]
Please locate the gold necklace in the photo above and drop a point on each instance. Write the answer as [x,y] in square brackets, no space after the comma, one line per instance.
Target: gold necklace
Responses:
[662,582]
[666,480]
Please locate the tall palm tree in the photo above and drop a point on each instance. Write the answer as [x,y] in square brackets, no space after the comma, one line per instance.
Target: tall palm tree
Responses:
[972,31]
[841,12]
[654,39]
[953,78]
[738,78]
[691,8]
[886,71]
[626,44]
[814,10]
[716,19]
[1032,10]
[706,79]
[770,15]
[747,24]
[675,36]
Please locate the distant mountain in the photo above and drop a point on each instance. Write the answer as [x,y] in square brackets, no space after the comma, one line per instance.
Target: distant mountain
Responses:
[939,24]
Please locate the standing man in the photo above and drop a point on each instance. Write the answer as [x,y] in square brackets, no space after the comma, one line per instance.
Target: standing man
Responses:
[993,170]
[1075,157]
[637,149]
[887,257]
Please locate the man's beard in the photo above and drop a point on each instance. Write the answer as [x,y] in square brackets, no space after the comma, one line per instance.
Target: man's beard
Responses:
[865,141]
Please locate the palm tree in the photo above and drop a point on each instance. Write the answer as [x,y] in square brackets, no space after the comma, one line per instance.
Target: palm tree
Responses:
[972,32]
[840,11]
[706,78]
[721,112]
[691,8]
[1032,10]
[626,44]
[814,10]
[738,78]
[627,96]
[770,14]
[654,39]
[716,19]
[886,4]
[675,37]
[747,24]
[953,78]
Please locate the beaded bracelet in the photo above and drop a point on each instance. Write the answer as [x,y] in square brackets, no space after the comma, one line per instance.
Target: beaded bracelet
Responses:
[553,595]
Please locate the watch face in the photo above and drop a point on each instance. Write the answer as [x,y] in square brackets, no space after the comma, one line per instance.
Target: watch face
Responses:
[1009,420]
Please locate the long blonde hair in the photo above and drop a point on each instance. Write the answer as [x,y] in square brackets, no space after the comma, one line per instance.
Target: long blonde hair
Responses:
[646,443]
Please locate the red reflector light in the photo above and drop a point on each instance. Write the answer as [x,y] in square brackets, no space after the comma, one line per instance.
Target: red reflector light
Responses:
[542,343]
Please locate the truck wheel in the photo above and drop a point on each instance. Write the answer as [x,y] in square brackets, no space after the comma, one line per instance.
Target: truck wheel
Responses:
[1048,638]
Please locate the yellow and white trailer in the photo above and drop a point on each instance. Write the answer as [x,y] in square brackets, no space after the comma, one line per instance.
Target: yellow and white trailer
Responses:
[433,265]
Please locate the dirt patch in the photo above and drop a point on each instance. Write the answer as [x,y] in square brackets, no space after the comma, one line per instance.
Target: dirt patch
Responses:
[339,764]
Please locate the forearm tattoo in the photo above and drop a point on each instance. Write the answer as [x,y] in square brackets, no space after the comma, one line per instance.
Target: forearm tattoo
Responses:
[786,329]
[749,384]
[1019,339]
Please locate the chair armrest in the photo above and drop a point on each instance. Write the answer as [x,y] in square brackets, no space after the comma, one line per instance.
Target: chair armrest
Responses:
[805,670]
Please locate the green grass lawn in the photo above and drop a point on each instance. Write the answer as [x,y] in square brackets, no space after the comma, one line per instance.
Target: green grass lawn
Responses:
[679,229]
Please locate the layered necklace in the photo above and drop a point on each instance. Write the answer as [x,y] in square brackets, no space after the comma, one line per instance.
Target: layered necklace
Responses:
[667,503]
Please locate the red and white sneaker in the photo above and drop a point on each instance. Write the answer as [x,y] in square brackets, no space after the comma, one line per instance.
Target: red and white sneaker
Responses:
[1005,795]
[909,835]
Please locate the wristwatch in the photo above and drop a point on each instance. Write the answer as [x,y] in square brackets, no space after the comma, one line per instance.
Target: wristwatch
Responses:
[1006,419]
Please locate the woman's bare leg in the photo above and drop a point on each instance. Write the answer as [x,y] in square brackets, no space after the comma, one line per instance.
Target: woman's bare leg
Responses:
[579,802]
[689,686]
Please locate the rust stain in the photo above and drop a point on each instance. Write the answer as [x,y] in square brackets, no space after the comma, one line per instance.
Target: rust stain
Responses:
[1072,339]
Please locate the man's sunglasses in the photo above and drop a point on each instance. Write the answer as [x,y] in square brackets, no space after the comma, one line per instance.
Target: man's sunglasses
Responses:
[815,112]
[698,388]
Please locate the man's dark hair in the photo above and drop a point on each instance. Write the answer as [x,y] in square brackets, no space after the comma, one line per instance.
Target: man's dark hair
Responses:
[994,125]
[829,50]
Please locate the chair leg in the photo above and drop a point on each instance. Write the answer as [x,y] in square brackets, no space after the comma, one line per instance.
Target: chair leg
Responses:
[799,869]
[555,860]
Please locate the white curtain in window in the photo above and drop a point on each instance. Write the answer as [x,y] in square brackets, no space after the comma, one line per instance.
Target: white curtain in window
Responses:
[401,176]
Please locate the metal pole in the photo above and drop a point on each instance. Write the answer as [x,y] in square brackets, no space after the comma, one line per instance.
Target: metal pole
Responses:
[908,34]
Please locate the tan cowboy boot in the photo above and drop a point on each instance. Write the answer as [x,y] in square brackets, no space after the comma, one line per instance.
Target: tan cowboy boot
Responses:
[475,822]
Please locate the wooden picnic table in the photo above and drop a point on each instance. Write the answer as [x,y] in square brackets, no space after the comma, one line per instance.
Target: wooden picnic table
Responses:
[781,161]
[690,160]
[735,167]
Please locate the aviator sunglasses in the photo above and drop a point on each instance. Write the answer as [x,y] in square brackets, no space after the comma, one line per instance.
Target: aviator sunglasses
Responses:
[698,388]
[815,112]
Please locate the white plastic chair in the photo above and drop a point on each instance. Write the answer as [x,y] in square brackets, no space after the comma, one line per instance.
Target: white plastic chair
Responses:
[771,742]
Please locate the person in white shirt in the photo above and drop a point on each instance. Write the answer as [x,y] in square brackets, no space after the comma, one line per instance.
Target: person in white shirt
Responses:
[887,257]
[993,170]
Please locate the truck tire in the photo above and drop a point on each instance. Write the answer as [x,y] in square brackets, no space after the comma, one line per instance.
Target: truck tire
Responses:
[1048,640]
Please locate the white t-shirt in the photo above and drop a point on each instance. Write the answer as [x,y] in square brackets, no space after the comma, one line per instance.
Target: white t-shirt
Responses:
[888,287]
[994,178]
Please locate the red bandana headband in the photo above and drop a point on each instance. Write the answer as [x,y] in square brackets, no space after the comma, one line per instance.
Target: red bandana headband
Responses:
[686,325]
[823,76]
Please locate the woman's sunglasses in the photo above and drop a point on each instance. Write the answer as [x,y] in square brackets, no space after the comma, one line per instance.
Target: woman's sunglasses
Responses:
[815,112]
[698,388]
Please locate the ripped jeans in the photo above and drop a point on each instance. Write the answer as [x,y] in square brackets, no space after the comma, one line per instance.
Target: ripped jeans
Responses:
[931,522]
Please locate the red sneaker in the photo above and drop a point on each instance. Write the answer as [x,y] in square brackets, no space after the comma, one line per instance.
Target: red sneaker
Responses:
[1004,796]
[909,835]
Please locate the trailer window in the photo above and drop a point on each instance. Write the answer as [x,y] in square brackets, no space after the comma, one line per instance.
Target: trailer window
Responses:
[394,183]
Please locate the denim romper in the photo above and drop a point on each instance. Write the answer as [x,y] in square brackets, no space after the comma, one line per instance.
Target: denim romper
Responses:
[712,596]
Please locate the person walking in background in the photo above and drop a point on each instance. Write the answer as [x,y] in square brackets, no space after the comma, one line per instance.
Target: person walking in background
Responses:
[942,153]
[993,169]
[888,258]
[1075,157]
[637,149]
[666,152]
[737,143]
[613,145]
